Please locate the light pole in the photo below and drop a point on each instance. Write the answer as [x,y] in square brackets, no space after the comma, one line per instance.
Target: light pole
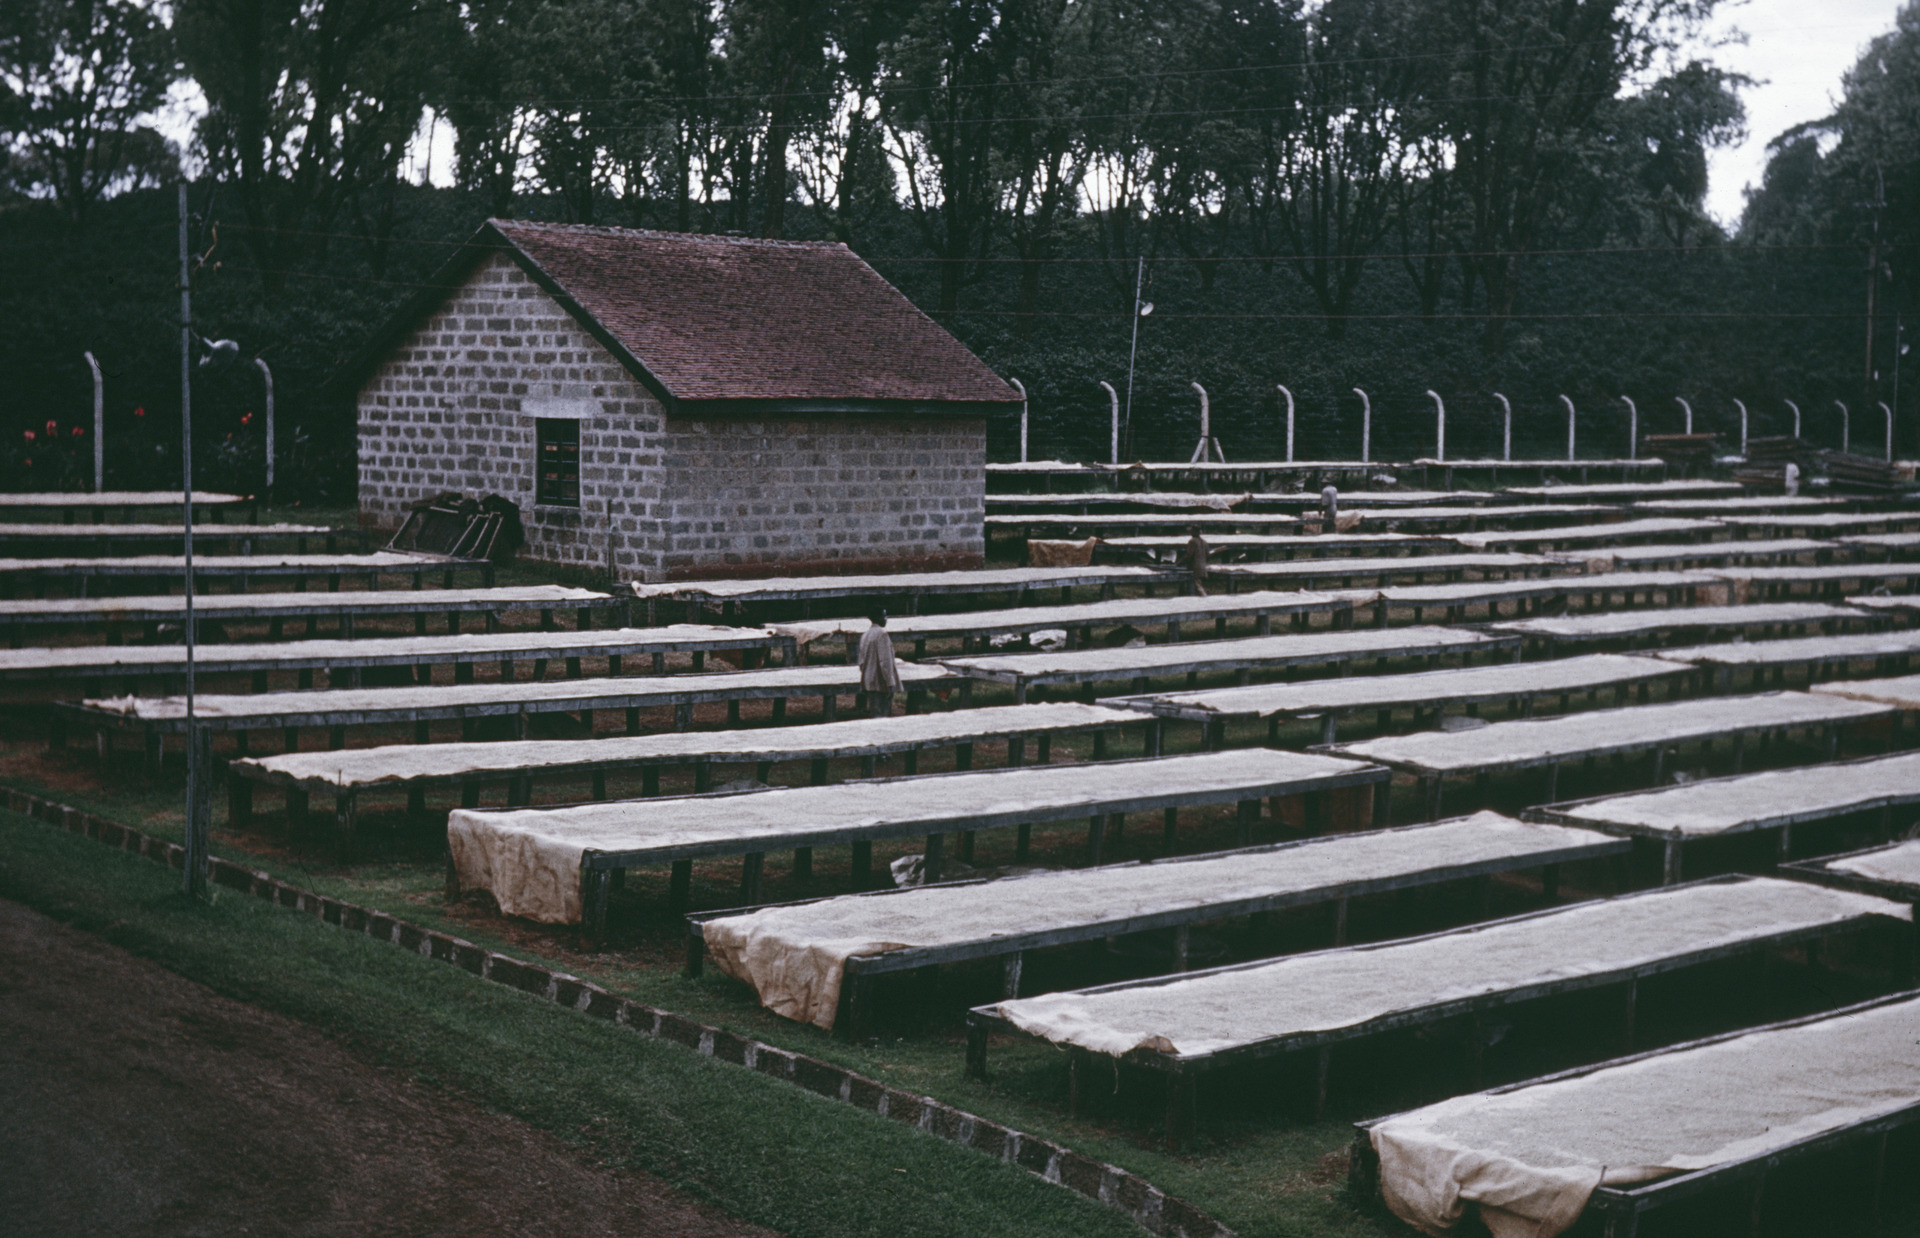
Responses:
[1289,397]
[1846,428]
[1796,416]
[1140,310]
[1633,428]
[1506,427]
[1569,403]
[1743,428]
[1683,404]
[1439,425]
[199,772]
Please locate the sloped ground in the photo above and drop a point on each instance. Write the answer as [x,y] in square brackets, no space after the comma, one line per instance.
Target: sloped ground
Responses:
[140,1103]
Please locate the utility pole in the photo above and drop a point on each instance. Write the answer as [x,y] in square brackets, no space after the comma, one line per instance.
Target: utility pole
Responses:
[199,773]
[1879,206]
[1140,310]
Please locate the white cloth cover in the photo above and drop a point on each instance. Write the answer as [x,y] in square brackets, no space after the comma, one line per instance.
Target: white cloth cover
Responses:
[1529,1158]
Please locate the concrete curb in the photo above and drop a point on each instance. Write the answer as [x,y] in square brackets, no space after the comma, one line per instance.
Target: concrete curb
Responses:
[1145,1204]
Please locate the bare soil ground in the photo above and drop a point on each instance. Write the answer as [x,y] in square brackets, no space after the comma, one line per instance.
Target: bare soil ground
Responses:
[137,1102]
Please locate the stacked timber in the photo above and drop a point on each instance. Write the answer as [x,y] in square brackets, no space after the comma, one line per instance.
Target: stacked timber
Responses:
[1683,451]
[1856,472]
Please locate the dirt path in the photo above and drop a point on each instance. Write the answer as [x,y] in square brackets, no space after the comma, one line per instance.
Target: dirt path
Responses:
[137,1102]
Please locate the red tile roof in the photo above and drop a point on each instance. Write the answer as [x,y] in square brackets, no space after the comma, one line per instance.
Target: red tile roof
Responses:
[716,318]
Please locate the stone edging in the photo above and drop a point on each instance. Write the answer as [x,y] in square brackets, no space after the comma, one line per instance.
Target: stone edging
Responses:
[1140,1200]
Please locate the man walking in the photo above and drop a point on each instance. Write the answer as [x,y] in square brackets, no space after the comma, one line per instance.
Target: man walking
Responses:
[879,677]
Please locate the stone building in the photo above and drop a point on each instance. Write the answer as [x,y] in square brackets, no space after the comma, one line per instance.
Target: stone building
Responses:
[670,406]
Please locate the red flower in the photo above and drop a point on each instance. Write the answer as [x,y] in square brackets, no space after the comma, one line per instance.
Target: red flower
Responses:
[52,425]
[28,462]
[139,412]
[77,432]
[247,420]
[29,435]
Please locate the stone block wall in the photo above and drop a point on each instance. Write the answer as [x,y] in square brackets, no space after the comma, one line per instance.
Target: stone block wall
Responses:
[841,494]
[453,409]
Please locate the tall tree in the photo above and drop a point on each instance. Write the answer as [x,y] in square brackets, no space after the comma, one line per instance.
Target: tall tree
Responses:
[1342,171]
[941,103]
[309,102]
[77,79]
[1527,87]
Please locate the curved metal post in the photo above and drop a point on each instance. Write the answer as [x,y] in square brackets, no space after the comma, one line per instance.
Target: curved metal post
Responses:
[1439,425]
[1207,441]
[1683,404]
[1506,427]
[1366,426]
[1022,389]
[1743,428]
[1570,415]
[1889,413]
[99,425]
[1846,427]
[1796,416]
[1113,400]
[1289,396]
[267,375]
[1633,428]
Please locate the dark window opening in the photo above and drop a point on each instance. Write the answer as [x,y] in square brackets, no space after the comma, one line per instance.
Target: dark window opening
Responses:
[556,462]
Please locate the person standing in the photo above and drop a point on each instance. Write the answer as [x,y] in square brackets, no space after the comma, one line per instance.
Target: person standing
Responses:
[1197,563]
[879,675]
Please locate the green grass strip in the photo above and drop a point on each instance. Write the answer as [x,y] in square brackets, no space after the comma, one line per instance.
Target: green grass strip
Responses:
[765,1150]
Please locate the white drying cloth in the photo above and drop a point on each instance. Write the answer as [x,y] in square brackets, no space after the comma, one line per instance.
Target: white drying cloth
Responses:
[355,768]
[1627,622]
[1603,730]
[1372,691]
[530,858]
[1531,1157]
[795,957]
[1334,989]
[1899,864]
[1901,690]
[984,580]
[1722,804]
[633,690]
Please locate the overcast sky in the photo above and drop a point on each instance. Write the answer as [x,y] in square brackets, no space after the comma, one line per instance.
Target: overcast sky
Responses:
[1796,50]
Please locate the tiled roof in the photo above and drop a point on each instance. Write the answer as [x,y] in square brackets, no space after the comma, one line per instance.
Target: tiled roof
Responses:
[716,318]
